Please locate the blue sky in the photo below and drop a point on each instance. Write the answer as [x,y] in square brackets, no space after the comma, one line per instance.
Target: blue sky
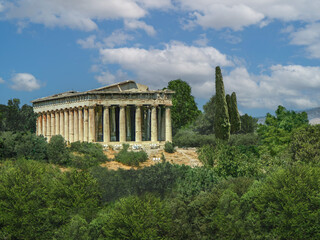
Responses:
[268,50]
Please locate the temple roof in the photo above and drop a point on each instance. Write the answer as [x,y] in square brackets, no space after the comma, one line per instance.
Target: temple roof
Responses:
[128,86]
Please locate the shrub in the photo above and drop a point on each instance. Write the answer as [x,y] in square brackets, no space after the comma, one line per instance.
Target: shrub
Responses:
[131,158]
[86,155]
[305,145]
[189,138]
[134,218]
[57,151]
[168,147]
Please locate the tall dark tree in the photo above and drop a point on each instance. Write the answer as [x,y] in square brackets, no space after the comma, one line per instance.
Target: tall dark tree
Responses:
[228,99]
[234,115]
[184,108]
[221,124]
[248,124]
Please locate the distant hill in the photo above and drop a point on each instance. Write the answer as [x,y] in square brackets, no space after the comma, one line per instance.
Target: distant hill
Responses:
[313,116]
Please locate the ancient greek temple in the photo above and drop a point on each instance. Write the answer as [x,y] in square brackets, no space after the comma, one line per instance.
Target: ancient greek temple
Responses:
[125,112]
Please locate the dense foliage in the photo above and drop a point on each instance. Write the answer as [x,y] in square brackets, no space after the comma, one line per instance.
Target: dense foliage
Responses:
[221,123]
[262,185]
[184,108]
[234,115]
[15,118]
[204,123]
[131,158]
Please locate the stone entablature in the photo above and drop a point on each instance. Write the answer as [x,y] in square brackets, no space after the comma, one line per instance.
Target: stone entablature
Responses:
[123,112]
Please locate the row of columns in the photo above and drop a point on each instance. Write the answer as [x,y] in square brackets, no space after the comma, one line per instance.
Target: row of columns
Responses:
[76,124]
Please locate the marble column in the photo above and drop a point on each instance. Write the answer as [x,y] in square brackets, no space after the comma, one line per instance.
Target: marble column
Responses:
[39,125]
[71,126]
[80,116]
[61,123]
[48,126]
[92,125]
[52,123]
[122,124]
[76,125]
[86,123]
[154,130]
[57,118]
[168,124]
[106,125]
[138,123]
[44,123]
[66,125]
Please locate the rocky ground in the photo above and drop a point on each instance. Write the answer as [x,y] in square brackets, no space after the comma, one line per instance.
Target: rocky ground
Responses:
[181,156]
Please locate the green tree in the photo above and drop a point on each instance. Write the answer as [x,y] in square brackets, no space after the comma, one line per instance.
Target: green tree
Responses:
[221,124]
[205,121]
[234,115]
[57,151]
[248,124]
[184,108]
[305,145]
[276,133]
[134,218]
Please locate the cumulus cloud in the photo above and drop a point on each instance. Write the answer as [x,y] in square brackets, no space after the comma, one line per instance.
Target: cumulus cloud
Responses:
[177,60]
[308,36]
[116,38]
[237,14]
[75,14]
[135,24]
[24,82]
[293,86]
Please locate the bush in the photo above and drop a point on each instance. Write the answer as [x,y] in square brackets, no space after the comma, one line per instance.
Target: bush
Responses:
[287,204]
[305,145]
[131,158]
[57,151]
[133,218]
[232,161]
[188,138]
[86,155]
[168,147]
[22,145]
[244,139]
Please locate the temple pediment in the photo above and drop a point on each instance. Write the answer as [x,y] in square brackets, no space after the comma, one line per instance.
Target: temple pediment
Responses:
[129,85]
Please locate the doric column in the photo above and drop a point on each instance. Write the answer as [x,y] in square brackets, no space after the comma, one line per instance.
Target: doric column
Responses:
[39,125]
[48,126]
[168,124]
[61,123]
[76,125]
[138,123]
[44,123]
[80,116]
[122,124]
[86,123]
[52,123]
[92,125]
[154,130]
[71,126]
[57,118]
[66,124]
[106,125]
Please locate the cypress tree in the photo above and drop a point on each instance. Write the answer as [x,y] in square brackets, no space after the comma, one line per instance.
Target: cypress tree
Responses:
[228,99]
[235,119]
[221,124]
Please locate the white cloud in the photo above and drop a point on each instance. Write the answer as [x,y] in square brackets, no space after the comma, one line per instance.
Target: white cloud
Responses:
[237,14]
[89,42]
[163,4]
[106,78]
[135,24]
[308,36]
[202,41]
[155,67]
[75,14]
[24,82]
[1,80]
[117,38]
[293,86]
